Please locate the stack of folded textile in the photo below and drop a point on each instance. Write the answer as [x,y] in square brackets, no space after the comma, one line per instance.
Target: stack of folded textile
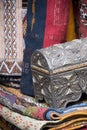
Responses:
[23,112]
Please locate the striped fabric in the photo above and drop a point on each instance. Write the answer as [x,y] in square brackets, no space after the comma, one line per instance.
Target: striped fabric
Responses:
[47,22]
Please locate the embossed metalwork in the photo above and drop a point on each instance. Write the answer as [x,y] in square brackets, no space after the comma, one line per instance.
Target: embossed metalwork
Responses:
[82,74]
[60,73]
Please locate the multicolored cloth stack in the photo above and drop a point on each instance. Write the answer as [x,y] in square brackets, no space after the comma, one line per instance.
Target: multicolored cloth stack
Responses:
[23,112]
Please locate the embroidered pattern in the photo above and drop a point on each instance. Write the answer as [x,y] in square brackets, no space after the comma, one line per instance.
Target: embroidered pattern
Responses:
[11,39]
[83,12]
[10,28]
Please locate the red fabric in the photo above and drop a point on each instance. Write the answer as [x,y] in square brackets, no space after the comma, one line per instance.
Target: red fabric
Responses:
[56,21]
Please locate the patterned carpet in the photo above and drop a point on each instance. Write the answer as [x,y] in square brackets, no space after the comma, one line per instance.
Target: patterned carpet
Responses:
[11,50]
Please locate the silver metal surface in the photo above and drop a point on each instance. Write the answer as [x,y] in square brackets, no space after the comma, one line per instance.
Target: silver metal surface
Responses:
[60,73]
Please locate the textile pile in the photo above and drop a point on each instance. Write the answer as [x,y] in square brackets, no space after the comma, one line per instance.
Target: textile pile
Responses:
[22,31]
[23,112]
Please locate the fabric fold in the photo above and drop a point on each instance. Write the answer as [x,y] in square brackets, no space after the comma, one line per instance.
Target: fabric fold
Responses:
[27,123]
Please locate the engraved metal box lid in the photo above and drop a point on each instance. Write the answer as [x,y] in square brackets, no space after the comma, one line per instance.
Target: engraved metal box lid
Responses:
[60,72]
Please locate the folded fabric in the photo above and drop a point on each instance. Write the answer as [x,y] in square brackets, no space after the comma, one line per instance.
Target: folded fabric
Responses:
[46,25]
[71,125]
[7,99]
[4,125]
[52,114]
[55,114]
[20,105]
[20,95]
[26,123]
[11,84]
[10,81]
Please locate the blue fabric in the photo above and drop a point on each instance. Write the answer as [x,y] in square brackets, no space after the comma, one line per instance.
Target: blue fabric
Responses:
[33,40]
[47,115]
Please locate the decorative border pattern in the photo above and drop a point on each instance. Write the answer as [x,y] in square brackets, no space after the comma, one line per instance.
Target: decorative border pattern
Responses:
[12,37]
[10,29]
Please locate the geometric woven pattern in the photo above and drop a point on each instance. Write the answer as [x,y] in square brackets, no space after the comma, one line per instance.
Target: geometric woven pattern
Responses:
[11,37]
[10,28]
[12,68]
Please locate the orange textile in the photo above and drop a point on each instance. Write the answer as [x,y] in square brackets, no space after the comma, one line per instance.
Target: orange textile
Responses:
[70,35]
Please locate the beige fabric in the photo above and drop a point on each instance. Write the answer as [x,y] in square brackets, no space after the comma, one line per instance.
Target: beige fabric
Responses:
[2,50]
[19,30]
[11,48]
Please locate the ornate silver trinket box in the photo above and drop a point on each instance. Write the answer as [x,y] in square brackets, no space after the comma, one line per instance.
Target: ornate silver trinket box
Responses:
[60,73]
